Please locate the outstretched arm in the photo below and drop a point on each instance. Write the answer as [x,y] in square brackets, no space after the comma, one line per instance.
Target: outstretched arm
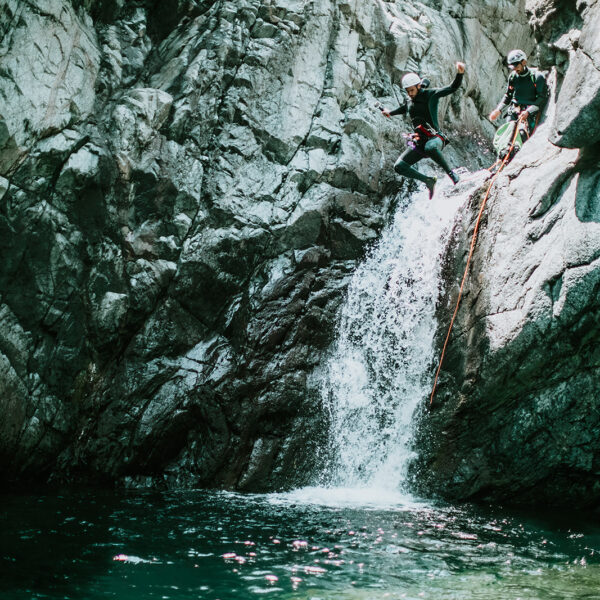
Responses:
[449,89]
[401,110]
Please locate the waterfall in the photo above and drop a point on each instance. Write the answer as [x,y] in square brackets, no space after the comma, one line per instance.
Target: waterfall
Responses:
[381,364]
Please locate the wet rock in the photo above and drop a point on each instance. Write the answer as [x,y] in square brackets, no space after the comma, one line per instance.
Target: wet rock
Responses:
[515,415]
[186,189]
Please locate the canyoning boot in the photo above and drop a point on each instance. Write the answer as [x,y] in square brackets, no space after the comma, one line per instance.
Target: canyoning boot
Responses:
[430,183]
[454,176]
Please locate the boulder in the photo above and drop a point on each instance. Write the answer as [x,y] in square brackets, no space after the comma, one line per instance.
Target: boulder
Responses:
[515,414]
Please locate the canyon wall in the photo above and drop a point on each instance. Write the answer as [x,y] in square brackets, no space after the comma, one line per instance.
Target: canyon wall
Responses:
[186,188]
[516,415]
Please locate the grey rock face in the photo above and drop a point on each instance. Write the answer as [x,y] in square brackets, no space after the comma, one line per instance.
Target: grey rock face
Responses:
[516,414]
[576,121]
[186,188]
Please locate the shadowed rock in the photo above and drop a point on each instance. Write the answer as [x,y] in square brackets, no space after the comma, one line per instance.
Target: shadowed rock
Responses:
[186,189]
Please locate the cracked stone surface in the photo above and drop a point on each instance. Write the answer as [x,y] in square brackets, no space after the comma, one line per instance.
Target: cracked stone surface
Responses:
[186,188]
[516,414]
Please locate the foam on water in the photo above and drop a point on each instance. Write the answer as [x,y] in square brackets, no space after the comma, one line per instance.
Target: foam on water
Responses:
[366,497]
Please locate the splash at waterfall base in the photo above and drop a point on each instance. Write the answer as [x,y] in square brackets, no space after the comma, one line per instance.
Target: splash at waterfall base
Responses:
[379,368]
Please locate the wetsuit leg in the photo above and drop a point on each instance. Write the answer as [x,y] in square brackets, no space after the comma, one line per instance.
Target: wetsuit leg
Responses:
[524,130]
[513,116]
[433,149]
[404,164]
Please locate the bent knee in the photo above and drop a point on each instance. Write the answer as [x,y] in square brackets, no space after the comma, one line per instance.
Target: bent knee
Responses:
[401,167]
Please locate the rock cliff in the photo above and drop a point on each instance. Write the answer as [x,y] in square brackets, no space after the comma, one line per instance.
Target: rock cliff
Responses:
[186,187]
[516,416]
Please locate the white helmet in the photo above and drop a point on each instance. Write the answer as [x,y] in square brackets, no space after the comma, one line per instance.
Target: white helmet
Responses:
[410,79]
[515,57]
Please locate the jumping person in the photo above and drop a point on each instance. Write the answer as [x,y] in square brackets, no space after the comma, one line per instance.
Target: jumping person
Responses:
[526,94]
[427,141]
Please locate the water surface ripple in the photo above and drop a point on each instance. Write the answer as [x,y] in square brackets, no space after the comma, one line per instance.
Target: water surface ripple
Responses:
[313,544]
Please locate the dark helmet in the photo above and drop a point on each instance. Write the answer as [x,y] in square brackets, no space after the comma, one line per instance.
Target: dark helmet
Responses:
[515,57]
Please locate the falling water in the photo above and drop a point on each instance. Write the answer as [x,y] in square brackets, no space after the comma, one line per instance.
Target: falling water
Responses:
[381,365]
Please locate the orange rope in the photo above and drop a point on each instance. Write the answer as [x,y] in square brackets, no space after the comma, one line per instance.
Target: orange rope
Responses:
[471,250]
[490,168]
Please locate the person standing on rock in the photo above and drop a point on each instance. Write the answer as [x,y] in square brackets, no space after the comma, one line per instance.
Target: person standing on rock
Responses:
[427,141]
[526,94]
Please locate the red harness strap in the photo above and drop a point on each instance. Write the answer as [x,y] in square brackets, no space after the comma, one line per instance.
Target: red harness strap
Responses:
[427,133]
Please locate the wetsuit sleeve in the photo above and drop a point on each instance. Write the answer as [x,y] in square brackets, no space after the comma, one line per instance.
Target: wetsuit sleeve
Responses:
[401,110]
[449,89]
[508,96]
[541,95]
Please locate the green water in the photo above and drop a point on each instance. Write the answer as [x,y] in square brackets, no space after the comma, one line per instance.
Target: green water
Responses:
[313,544]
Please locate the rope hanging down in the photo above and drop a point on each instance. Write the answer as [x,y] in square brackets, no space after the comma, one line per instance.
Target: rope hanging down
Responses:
[471,250]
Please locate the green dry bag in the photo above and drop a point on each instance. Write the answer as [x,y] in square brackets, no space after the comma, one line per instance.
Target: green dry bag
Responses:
[503,139]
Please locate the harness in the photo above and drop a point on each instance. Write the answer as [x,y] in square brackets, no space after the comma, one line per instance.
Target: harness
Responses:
[423,109]
[426,133]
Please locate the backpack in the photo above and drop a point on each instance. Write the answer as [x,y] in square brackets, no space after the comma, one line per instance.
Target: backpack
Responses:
[504,137]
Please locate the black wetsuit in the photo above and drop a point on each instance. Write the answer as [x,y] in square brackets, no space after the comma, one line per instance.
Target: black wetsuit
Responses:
[525,92]
[423,110]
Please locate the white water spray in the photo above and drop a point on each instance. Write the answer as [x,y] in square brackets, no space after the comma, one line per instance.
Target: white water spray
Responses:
[381,365]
